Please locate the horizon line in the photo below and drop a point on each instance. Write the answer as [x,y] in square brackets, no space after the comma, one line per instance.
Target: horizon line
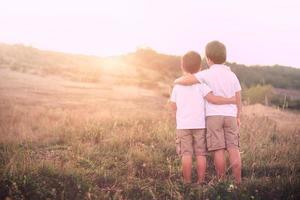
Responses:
[136,49]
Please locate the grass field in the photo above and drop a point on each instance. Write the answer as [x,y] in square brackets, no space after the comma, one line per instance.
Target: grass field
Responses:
[61,139]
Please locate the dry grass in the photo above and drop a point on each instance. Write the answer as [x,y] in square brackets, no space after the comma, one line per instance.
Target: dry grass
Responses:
[68,140]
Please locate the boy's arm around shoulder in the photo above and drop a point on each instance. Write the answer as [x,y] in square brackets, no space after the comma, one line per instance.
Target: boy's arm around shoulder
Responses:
[211,98]
[219,100]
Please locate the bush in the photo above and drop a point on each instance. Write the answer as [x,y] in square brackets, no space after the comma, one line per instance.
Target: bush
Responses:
[258,94]
[264,94]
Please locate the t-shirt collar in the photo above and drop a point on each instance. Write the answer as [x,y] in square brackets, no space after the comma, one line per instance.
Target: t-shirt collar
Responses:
[219,66]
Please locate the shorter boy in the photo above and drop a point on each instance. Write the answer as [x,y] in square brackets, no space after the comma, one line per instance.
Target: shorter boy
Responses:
[189,104]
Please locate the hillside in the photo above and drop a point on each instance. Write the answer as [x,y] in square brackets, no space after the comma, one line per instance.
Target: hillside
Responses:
[277,76]
[165,67]
[270,85]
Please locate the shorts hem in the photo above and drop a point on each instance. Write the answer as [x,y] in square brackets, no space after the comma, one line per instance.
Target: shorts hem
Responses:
[233,146]
[186,154]
[216,148]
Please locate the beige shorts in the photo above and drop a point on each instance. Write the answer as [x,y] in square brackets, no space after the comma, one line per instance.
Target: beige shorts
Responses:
[222,132]
[191,141]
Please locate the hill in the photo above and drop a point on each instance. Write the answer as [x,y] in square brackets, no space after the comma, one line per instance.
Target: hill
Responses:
[149,69]
[88,68]
[277,76]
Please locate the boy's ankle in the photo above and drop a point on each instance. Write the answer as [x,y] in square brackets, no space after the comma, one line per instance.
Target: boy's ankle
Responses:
[237,182]
[201,182]
[187,182]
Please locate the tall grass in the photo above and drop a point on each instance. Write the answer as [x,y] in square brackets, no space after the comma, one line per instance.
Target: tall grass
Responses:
[62,157]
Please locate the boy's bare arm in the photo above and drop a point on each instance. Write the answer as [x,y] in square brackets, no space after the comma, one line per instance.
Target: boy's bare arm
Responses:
[238,97]
[172,106]
[188,79]
[211,98]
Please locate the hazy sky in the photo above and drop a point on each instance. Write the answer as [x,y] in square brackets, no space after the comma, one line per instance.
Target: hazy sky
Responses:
[254,31]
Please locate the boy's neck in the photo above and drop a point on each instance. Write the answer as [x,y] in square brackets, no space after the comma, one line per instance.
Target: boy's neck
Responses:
[185,73]
[214,64]
[209,63]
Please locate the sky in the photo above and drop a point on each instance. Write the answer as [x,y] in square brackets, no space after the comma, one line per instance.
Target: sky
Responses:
[264,32]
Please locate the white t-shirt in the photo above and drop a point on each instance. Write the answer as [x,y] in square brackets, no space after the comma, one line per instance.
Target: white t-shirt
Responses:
[190,104]
[223,82]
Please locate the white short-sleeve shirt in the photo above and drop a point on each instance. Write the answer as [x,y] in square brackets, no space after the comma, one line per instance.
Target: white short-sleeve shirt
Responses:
[190,104]
[223,82]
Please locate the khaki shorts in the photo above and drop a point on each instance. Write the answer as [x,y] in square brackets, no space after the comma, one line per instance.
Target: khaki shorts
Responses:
[191,141]
[222,132]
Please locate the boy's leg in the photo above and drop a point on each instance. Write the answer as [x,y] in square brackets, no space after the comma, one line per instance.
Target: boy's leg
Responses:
[235,163]
[201,168]
[186,161]
[184,147]
[216,142]
[232,144]
[199,146]
[220,163]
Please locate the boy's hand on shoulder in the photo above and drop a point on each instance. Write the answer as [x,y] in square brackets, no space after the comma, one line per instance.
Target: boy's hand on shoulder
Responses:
[186,79]
[178,80]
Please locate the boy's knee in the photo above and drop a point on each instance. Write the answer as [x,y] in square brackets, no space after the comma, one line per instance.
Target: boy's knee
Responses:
[236,164]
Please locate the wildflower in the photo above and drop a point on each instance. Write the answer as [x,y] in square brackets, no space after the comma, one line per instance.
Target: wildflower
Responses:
[230,188]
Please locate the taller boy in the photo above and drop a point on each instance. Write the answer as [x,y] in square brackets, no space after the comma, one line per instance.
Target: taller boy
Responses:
[222,121]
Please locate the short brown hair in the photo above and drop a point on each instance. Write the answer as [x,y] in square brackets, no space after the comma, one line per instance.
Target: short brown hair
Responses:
[191,62]
[216,52]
